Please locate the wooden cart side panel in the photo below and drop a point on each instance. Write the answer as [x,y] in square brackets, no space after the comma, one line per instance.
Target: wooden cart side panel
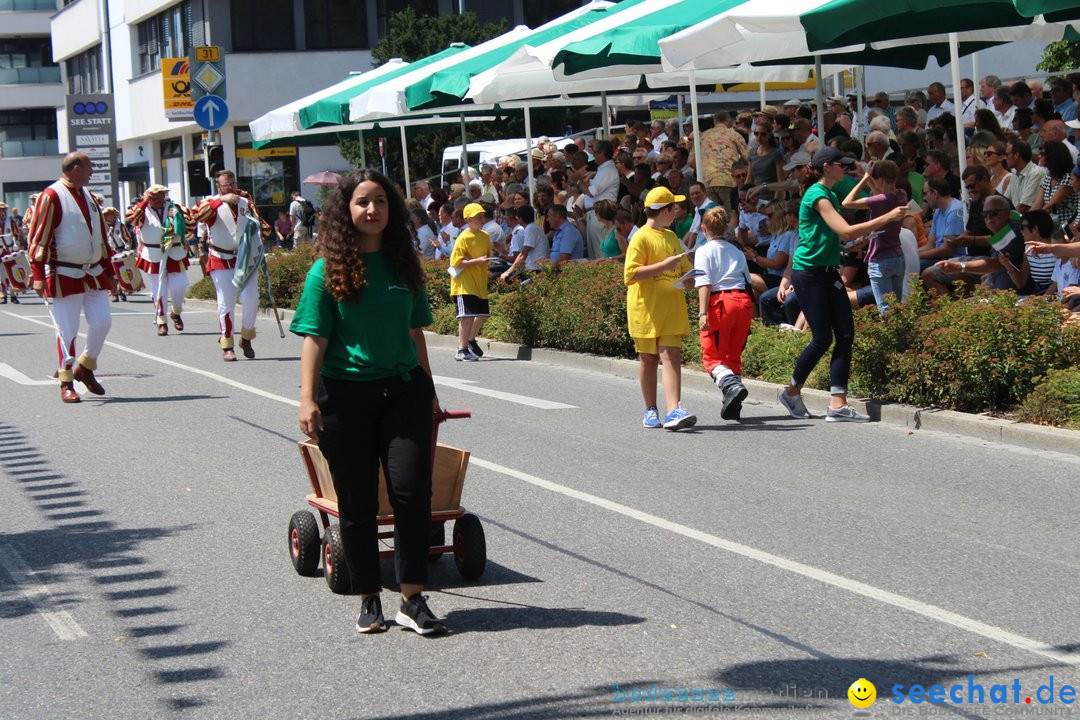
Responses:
[448,477]
[318,470]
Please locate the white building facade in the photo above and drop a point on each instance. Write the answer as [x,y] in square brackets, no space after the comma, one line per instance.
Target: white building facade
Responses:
[275,51]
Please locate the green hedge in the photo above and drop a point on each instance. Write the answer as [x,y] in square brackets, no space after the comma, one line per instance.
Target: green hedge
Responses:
[975,354]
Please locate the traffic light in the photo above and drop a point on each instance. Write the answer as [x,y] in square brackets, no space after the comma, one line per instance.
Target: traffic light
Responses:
[198,183]
[217,159]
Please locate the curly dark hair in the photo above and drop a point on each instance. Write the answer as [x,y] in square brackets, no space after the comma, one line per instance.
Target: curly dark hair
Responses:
[339,242]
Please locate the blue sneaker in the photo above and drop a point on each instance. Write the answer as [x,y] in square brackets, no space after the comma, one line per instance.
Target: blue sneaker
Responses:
[652,418]
[679,418]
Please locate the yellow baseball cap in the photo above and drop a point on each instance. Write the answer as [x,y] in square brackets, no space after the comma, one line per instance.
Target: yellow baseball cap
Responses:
[661,197]
[472,209]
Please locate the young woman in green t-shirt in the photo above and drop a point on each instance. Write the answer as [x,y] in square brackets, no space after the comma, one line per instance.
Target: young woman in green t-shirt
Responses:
[816,278]
[366,392]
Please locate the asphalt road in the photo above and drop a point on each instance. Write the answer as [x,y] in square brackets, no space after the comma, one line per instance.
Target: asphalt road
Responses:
[767,565]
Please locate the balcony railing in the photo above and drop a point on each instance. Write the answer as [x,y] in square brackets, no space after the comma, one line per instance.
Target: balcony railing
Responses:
[29,76]
[29,148]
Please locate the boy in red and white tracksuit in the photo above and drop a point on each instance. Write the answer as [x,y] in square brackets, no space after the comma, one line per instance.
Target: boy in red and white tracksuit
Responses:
[725,310]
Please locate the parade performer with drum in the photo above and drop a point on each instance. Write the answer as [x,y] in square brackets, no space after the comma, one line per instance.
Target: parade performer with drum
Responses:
[125,272]
[14,278]
[69,258]
[160,226]
[226,215]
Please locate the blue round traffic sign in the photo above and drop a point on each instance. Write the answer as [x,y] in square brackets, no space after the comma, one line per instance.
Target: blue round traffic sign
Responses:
[211,112]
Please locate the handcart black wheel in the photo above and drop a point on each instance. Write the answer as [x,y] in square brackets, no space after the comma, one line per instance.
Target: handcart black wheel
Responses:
[470,547]
[304,544]
[335,570]
[438,538]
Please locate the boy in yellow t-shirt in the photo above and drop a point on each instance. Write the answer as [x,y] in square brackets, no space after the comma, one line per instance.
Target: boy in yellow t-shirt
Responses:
[469,281]
[656,311]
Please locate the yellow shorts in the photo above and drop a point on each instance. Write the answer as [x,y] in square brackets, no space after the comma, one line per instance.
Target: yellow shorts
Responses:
[650,346]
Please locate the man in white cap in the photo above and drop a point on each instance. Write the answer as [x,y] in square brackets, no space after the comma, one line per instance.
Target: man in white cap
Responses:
[791,108]
[160,226]
[69,261]
[226,216]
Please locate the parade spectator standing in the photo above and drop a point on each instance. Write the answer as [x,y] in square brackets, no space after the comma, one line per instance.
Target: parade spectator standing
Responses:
[366,393]
[970,102]
[1026,184]
[69,262]
[725,310]
[422,193]
[469,281]
[820,290]
[721,148]
[448,231]
[533,246]
[656,309]
[884,256]
[603,185]
[283,228]
[938,102]
[302,214]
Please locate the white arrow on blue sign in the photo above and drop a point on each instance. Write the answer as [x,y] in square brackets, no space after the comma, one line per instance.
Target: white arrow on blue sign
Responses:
[211,112]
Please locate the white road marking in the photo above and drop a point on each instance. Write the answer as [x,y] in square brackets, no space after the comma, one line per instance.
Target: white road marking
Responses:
[12,374]
[931,612]
[122,313]
[38,595]
[473,387]
[180,366]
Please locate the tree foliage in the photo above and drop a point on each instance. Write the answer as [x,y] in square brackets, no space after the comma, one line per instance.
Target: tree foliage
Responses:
[1060,55]
[410,36]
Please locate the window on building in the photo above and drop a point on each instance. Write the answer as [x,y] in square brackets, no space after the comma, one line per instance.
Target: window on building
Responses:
[84,73]
[386,8]
[26,53]
[538,12]
[335,24]
[165,35]
[262,25]
[32,124]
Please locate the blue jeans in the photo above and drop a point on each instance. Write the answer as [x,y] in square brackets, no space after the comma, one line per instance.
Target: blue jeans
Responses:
[773,313]
[886,276]
[825,304]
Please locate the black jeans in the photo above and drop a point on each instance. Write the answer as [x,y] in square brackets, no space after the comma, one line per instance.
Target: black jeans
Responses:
[365,424]
[824,302]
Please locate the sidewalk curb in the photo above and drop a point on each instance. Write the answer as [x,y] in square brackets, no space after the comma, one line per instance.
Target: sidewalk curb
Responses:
[980,427]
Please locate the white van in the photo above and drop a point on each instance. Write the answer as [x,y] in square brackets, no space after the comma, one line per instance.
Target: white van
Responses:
[488,152]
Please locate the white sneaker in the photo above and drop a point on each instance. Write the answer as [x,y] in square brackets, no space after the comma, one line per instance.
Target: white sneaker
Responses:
[795,405]
[463,354]
[845,414]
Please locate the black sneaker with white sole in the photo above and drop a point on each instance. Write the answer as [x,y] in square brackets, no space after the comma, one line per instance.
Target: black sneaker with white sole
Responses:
[734,394]
[416,615]
[474,348]
[370,619]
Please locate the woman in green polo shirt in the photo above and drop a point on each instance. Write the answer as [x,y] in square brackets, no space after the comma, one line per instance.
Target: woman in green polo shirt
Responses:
[366,392]
[815,275]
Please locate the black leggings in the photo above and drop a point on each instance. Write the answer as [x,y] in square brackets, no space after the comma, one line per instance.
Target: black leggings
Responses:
[365,424]
[824,302]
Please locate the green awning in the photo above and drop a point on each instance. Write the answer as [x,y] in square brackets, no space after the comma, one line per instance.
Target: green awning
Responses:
[334,110]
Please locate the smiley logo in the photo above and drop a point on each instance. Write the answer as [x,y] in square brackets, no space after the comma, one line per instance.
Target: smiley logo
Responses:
[862,693]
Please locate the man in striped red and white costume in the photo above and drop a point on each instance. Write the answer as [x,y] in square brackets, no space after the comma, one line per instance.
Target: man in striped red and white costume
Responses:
[69,261]
[159,221]
[225,216]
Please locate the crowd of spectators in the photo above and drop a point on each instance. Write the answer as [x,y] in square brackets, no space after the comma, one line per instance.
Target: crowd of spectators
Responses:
[960,230]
